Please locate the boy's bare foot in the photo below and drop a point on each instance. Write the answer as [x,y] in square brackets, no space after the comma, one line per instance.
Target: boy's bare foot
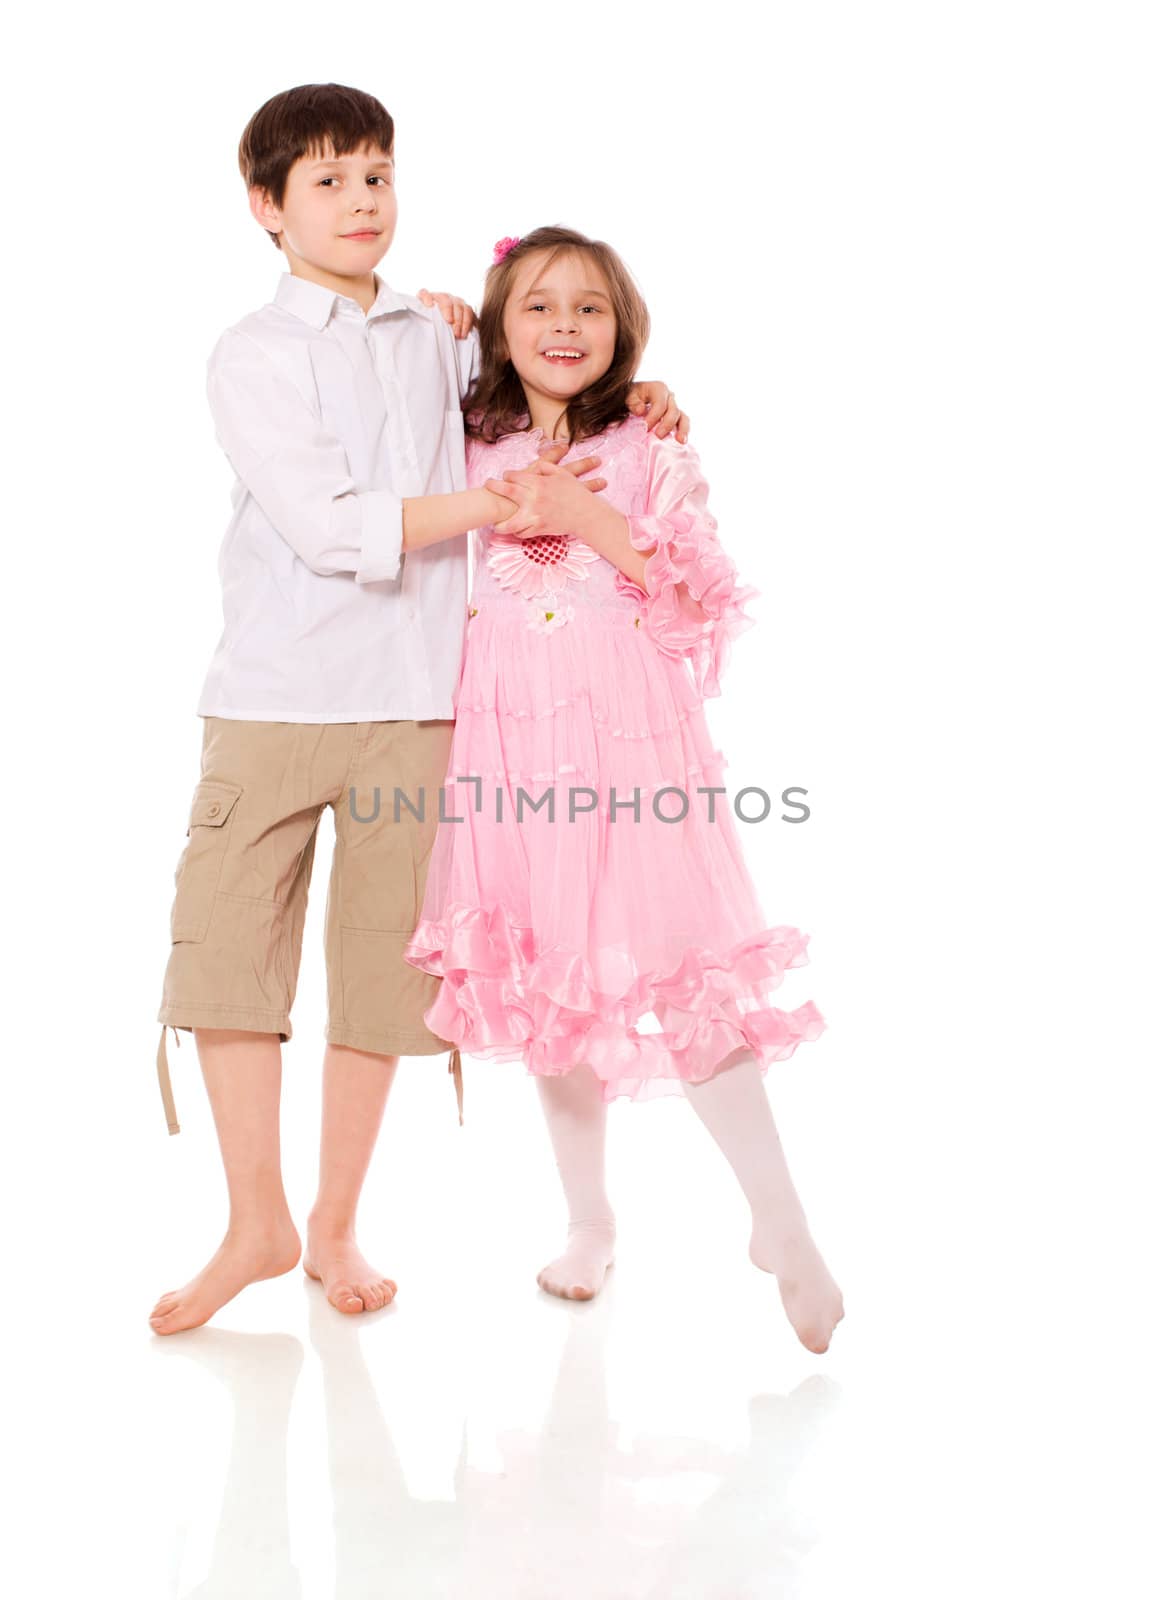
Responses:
[578,1274]
[812,1300]
[244,1257]
[350,1282]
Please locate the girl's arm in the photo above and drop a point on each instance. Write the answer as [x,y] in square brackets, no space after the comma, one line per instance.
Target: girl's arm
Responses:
[687,557]
[667,557]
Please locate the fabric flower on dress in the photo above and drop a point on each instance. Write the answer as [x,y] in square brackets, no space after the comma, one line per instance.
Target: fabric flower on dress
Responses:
[548,620]
[545,563]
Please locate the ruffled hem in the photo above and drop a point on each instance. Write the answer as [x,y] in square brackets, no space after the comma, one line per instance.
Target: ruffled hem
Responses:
[501,1001]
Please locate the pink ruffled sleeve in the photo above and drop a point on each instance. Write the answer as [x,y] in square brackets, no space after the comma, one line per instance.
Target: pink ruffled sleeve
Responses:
[677,521]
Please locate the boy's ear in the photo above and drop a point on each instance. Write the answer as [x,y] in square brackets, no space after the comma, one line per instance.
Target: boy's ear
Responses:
[261,207]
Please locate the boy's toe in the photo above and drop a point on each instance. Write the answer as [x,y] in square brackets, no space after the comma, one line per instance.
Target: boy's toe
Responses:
[345,1298]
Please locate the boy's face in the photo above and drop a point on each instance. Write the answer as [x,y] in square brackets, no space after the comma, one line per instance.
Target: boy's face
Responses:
[339,212]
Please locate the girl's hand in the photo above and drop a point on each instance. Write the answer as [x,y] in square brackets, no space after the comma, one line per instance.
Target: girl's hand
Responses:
[549,499]
[663,412]
[458,312]
[553,453]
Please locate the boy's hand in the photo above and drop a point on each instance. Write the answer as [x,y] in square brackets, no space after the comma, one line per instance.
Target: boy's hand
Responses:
[458,312]
[664,414]
[548,499]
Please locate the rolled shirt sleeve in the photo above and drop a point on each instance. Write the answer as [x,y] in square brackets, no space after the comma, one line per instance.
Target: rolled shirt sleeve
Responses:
[297,472]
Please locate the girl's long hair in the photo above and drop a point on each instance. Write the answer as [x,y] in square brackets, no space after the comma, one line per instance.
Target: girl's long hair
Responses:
[496,403]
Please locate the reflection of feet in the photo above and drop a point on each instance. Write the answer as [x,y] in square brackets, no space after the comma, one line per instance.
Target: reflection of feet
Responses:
[251,1551]
[578,1274]
[249,1365]
[812,1301]
[351,1283]
[243,1258]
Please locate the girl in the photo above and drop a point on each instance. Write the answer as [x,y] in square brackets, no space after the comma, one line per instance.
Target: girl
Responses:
[594,878]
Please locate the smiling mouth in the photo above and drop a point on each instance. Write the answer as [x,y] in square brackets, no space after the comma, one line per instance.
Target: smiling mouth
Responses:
[558,357]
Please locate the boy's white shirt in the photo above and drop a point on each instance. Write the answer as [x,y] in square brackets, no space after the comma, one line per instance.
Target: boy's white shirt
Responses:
[330,418]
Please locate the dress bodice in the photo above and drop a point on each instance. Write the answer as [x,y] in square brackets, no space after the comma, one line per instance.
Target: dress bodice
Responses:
[688,602]
[552,580]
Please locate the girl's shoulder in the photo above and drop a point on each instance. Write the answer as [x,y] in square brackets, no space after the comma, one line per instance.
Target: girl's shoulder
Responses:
[630,447]
[632,434]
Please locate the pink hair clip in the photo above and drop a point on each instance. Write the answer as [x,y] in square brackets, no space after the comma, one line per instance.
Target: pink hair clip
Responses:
[502,248]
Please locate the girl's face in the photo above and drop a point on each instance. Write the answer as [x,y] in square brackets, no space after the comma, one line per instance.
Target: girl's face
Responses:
[560,325]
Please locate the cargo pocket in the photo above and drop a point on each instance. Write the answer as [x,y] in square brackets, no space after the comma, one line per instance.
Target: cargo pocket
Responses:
[198,870]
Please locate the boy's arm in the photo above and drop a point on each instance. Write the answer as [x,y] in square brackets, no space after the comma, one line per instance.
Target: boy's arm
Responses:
[431,518]
[298,474]
[295,470]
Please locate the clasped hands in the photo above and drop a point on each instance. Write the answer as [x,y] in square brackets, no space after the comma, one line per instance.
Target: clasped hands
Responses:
[547,497]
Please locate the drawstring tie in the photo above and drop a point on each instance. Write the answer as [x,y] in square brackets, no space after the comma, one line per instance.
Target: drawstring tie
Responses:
[166,1081]
[457,1071]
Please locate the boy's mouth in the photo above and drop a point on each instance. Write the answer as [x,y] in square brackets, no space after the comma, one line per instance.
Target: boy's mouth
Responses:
[562,356]
[364,233]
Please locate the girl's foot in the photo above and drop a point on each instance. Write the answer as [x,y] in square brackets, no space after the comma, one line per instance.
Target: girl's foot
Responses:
[244,1257]
[351,1284]
[578,1274]
[812,1300]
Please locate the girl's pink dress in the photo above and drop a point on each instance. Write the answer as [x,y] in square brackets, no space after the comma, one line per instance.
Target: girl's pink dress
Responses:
[636,946]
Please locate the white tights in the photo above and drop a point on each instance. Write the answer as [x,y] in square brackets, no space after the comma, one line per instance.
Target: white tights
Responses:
[733,1106]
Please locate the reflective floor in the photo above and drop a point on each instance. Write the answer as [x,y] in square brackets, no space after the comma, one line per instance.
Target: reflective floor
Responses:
[966,1433]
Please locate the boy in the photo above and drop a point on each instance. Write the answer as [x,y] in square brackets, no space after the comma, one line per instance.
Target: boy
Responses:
[345,593]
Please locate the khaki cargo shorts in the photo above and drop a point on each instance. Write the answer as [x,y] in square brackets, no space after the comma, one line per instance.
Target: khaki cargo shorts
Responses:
[242,882]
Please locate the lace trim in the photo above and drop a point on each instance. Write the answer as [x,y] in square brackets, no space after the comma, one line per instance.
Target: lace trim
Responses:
[587,778]
[692,712]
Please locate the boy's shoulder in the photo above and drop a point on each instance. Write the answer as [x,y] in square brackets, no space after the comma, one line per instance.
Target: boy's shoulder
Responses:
[268,330]
[279,321]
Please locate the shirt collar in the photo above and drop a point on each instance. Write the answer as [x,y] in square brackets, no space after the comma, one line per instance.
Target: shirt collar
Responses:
[314,304]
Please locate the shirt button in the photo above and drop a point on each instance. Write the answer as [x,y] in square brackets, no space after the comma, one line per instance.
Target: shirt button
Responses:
[213,808]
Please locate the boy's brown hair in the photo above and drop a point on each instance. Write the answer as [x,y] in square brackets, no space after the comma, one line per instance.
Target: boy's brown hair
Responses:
[496,403]
[303,121]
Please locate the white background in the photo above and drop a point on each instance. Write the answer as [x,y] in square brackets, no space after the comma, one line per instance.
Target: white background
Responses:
[897,259]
